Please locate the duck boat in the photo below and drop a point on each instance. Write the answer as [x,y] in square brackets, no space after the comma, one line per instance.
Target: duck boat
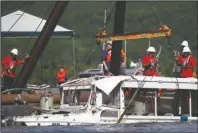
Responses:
[102,100]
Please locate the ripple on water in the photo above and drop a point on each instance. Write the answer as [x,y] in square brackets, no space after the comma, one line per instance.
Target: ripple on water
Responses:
[148,127]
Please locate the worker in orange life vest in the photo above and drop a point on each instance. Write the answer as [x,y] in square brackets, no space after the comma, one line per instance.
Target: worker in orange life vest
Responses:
[61,78]
[9,64]
[123,63]
[62,75]
[107,59]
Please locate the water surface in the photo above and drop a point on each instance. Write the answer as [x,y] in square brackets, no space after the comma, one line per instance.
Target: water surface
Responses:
[151,127]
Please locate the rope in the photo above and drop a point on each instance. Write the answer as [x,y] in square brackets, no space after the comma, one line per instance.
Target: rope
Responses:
[157,17]
[37,28]
[21,14]
[140,84]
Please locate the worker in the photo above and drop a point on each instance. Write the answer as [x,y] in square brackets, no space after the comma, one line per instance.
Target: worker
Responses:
[149,63]
[188,70]
[61,77]
[123,63]
[176,73]
[9,64]
[176,68]
[107,60]
[187,63]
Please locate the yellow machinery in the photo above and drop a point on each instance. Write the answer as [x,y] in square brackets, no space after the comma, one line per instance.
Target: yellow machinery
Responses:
[164,31]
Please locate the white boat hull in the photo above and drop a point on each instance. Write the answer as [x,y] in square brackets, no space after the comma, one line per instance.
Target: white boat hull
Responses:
[90,119]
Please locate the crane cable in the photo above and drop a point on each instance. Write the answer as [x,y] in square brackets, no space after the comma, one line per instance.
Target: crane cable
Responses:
[29,6]
[109,16]
[161,23]
[29,41]
[150,39]
[105,25]
[170,47]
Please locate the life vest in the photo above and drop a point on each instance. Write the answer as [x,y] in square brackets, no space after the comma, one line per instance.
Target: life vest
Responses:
[148,70]
[9,65]
[187,66]
[108,56]
[61,77]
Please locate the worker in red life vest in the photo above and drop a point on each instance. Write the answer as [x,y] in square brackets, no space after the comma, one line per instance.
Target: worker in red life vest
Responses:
[187,63]
[176,67]
[61,77]
[188,70]
[176,73]
[149,63]
[9,64]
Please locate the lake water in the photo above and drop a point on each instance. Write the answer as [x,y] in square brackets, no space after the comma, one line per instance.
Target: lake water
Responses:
[151,127]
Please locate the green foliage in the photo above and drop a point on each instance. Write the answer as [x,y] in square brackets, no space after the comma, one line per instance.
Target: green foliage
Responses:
[86,19]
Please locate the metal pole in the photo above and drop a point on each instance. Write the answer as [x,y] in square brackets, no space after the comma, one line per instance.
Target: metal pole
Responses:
[74,56]
[155,103]
[41,69]
[125,46]
[117,29]
[41,43]
[190,104]
[105,19]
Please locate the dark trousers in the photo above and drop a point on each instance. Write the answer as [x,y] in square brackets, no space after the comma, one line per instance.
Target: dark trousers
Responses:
[180,99]
[105,71]
[60,89]
[122,70]
[176,74]
[8,83]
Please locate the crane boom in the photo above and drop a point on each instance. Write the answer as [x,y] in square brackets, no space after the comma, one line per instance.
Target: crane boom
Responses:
[41,43]
[162,32]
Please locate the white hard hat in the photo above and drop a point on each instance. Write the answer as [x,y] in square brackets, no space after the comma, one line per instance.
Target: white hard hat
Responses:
[186,49]
[14,51]
[184,43]
[109,42]
[151,49]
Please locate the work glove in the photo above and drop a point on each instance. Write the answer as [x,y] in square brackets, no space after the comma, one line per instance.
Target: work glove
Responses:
[153,64]
[9,70]
[194,74]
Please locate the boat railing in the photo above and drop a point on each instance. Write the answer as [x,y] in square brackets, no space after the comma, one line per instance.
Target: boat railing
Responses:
[153,84]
